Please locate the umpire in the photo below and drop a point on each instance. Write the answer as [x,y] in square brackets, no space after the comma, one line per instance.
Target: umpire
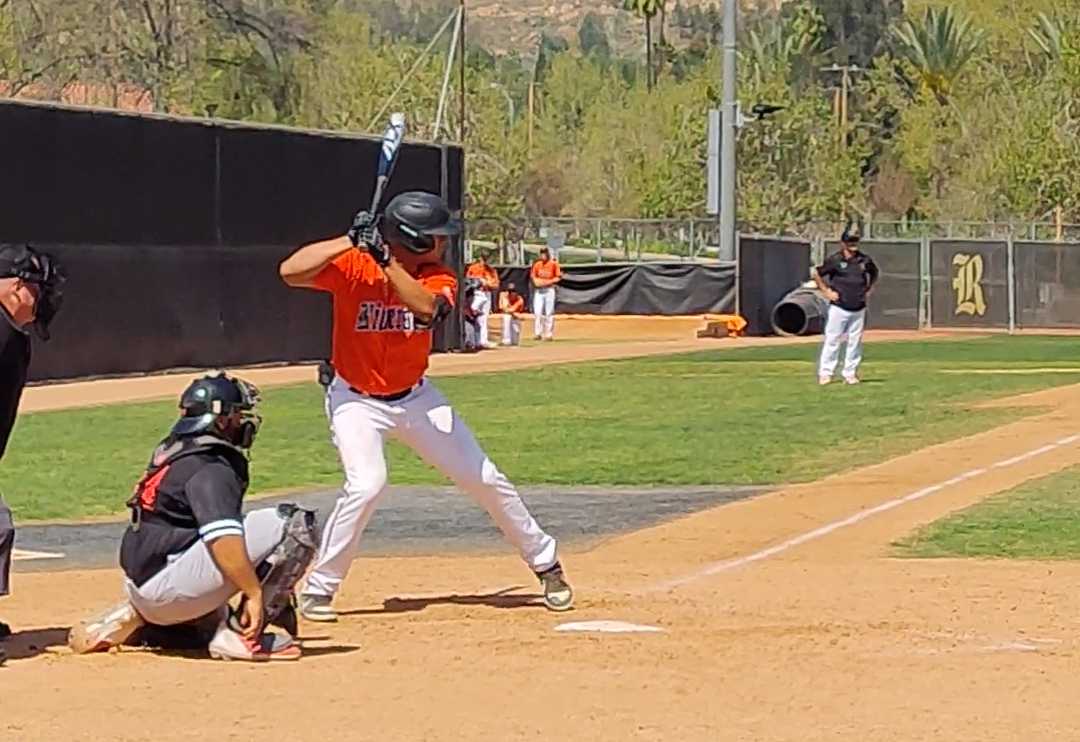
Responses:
[29,297]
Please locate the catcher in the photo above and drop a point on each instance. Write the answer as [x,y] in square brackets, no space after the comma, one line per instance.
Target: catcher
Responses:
[188,549]
[387,297]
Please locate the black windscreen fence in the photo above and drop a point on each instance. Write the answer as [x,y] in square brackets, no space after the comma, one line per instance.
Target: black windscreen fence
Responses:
[172,231]
[970,283]
[770,269]
[1047,284]
[894,303]
[641,288]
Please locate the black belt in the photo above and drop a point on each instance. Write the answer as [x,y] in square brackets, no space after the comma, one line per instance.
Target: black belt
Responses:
[386,397]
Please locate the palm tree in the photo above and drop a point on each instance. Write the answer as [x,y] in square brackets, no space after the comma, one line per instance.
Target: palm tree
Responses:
[647,9]
[939,48]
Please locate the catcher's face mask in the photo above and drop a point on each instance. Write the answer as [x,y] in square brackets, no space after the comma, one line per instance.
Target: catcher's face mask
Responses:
[43,279]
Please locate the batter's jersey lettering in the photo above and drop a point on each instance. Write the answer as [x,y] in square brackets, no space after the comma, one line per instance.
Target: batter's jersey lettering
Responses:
[379,347]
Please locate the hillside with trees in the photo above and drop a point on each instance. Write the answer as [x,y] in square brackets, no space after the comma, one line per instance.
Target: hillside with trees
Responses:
[956,111]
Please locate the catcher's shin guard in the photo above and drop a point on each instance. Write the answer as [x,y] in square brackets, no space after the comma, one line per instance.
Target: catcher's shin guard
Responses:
[285,567]
[106,630]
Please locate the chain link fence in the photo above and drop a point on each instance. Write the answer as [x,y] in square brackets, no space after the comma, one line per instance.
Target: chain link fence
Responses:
[517,241]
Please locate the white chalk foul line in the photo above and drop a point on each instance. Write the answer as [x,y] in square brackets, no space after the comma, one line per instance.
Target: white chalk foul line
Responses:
[730,564]
[22,555]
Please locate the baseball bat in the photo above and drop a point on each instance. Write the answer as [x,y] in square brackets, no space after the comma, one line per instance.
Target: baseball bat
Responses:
[391,143]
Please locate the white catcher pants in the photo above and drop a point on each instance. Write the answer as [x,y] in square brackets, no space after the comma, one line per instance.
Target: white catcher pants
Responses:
[426,423]
[842,322]
[481,304]
[543,306]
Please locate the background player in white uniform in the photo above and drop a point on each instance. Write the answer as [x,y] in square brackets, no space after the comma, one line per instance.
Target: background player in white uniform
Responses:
[846,278]
[386,298]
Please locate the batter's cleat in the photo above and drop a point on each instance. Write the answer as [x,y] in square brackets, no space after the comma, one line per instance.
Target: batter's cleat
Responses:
[318,608]
[106,630]
[229,644]
[3,656]
[558,595]
[5,630]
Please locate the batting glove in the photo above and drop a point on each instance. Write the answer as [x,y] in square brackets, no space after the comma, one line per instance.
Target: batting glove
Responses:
[365,234]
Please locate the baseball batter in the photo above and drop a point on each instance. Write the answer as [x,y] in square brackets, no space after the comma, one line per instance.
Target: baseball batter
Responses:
[389,288]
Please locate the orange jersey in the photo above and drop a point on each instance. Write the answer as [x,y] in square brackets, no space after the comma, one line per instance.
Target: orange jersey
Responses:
[546,271]
[511,302]
[485,273]
[379,347]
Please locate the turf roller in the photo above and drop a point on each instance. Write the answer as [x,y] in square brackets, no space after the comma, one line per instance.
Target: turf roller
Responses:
[801,312]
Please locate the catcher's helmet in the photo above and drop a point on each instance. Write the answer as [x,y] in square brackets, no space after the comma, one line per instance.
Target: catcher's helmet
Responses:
[414,217]
[215,396]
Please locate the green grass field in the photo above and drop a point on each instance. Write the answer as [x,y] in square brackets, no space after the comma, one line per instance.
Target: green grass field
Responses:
[740,417]
[1039,520]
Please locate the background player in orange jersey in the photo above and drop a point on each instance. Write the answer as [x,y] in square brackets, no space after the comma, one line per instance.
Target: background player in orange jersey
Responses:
[488,279]
[510,305]
[546,274]
[387,295]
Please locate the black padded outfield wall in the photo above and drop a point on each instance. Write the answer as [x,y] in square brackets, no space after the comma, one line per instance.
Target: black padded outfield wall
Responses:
[894,305]
[969,283]
[1047,284]
[640,288]
[173,230]
[769,270]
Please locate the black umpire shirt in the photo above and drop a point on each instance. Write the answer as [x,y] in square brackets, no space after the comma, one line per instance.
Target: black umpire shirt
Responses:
[14,362]
[200,497]
[850,278]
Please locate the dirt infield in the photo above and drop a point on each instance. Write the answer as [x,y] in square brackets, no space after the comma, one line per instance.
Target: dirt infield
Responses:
[782,618]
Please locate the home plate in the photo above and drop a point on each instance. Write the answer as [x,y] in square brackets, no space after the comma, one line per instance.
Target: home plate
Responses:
[24,555]
[609,627]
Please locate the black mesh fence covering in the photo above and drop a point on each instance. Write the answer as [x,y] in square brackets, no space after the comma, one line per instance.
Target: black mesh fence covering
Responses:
[1047,284]
[894,305]
[970,283]
[640,288]
[769,270]
[172,231]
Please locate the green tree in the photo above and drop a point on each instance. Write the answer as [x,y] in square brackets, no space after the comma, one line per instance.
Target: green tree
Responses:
[856,31]
[939,48]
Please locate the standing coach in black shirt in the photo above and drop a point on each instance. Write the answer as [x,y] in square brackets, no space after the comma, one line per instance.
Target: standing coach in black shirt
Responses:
[29,297]
[846,278]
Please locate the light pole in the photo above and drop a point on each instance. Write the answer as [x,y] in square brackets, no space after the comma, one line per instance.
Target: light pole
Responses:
[729,114]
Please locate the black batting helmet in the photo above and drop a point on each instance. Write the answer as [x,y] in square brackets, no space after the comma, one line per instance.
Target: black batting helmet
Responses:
[215,396]
[414,217]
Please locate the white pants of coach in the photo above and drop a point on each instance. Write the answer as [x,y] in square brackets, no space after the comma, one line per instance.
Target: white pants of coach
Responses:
[191,585]
[481,304]
[425,422]
[543,306]
[511,330]
[842,322]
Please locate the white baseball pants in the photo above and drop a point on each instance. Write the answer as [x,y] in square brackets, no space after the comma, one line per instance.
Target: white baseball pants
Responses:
[426,423]
[842,322]
[511,330]
[481,304]
[543,306]
[191,585]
